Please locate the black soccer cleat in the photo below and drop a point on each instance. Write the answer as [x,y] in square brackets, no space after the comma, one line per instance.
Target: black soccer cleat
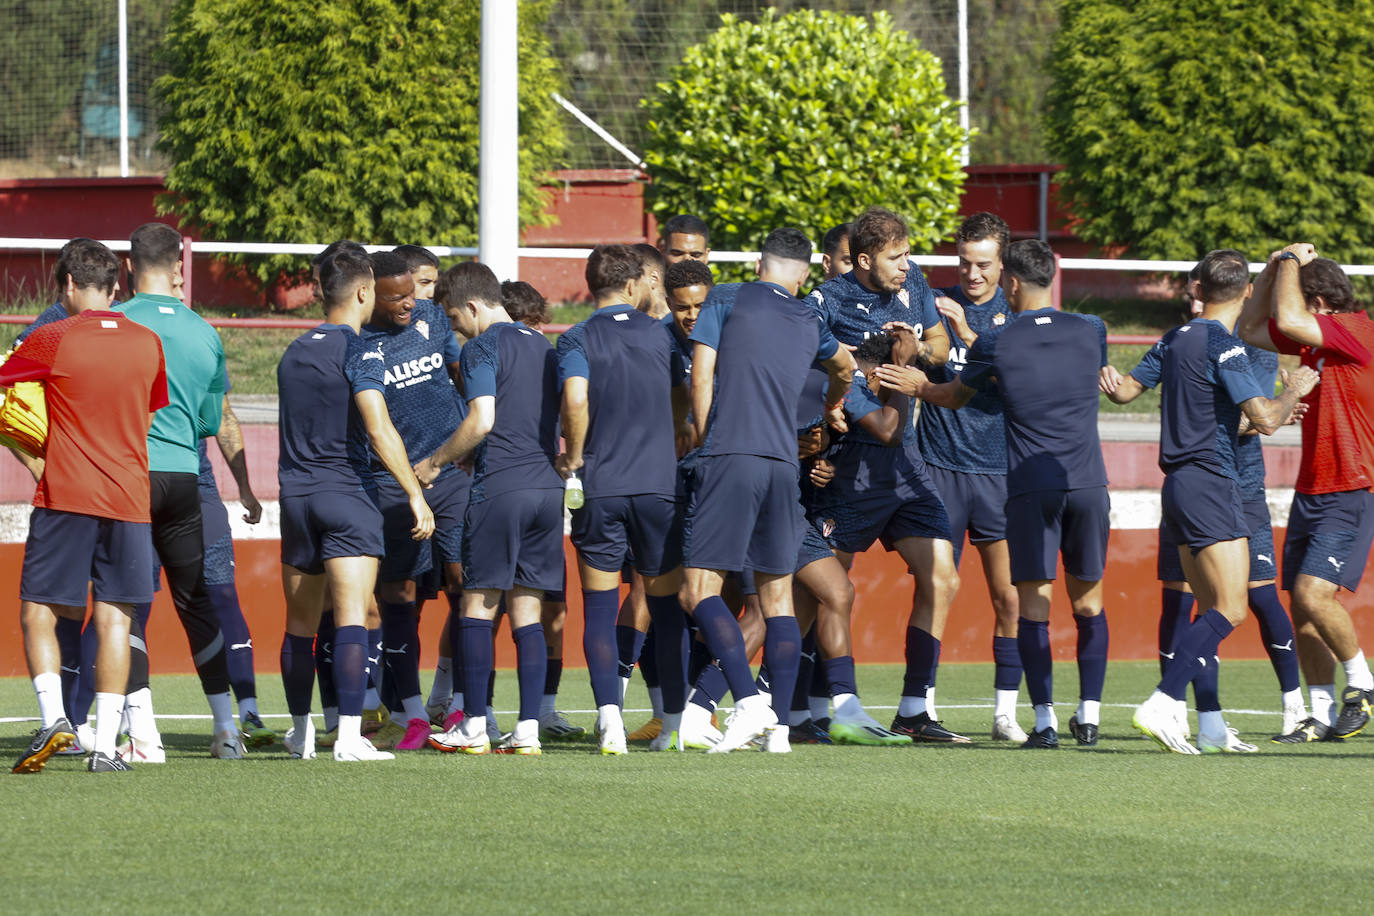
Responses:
[808,733]
[1356,707]
[46,742]
[104,763]
[1046,739]
[922,727]
[1084,733]
[1308,731]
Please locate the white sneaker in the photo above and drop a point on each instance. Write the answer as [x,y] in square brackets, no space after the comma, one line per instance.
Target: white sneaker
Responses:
[1230,743]
[752,718]
[777,740]
[137,751]
[1181,716]
[301,747]
[1156,720]
[555,727]
[1006,728]
[523,740]
[359,751]
[227,745]
[1293,716]
[697,732]
[467,737]
[610,734]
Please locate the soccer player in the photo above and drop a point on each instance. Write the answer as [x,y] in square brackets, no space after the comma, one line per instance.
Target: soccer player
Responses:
[103,378]
[966,450]
[750,360]
[195,381]
[1046,364]
[420,354]
[623,402]
[424,269]
[835,259]
[654,264]
[688,283]
[685,238]
[514,522]
[1206,385]
[332,405]
[1313,313]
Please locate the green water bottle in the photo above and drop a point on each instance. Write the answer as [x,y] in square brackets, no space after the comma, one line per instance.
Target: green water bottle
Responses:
[573,497]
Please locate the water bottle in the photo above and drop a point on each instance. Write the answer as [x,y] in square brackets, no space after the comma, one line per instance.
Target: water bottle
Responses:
[573,497]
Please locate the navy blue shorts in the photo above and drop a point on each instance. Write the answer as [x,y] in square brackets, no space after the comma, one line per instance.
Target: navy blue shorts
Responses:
[608,530]
[745,513]
[974,503]
[1329,536]
[515,538]
[1047,523]
[67,550]
[1202,508]
[215,539]
[813,548]
[405,557]
[1263,563]
[326,526]
[877,515]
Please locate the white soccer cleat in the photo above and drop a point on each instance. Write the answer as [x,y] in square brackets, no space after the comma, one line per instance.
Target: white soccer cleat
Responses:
[137,751]
[1006,728]
[1230,743]
[227,745]
[468,736]
[777,740]
[751,719]
[1181,716]
[523,740]
[697,732]
[1293,716]
[302,746]
[359,750]
[1156,720]
[610,735]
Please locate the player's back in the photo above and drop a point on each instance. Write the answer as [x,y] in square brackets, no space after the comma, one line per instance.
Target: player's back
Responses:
[1199,418]
[519,368]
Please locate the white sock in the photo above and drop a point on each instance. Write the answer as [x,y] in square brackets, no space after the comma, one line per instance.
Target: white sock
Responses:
[672,722]
[820,707]
[1357,673]
[1045,717]
[139,712]
[798,717]
[414,709]
[222,711]
[624,688]
[1005,703]
[911,706]
[248,706]
[1293,698]
[1323,700]
[847,706]
[656,702]
[474,727]
[548,705]
[48,686]
[371,699]
[442,688]
[350,729]
[331,717]
[107,712]
[1089,712]
[455,703]
[299,723]
[930,703]
[1212,724]
[608,716]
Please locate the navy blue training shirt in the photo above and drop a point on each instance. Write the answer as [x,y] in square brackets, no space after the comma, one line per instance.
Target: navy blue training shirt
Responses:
[681,345]
[323,445]
[862,463]
[519,368]
[765,341]
[854,312]
[1046,364]
[55,312]
[631,368]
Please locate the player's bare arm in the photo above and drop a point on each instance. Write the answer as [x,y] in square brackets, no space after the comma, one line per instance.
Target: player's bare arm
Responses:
[952,310]
[1294,319]
[703,387]
[230,441]
[840,366]
[1119,389]
[914,383]
[575,419]
[684,437]
[1267,414]
[465,439]
[387,444]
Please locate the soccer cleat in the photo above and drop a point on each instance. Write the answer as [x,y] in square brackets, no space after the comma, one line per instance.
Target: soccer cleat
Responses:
[437,712]
[254,733]
[1161,726]
[104,763]
[327,739]
[922,727]
[696,731]
[610,736]
[666,741]
[359,751]
[1294,714]
[1005,728]
[452,719]
[45,743]
[301,747]
[1181,716]
[865,731]
[457,740]
[1085,733]
[388,735]
[135,750]
[748,722]
[1046,739]
[556,727]
[416,736]
[808,733]
[1307,731]
[1228,744]
[374,720]
[522,741]
[1356,707]
[227,746]
[646,732]
[776,740]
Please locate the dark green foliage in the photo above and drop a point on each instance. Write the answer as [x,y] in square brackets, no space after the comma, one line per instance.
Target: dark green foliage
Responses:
[1008,43]
[1188,126]
[291,122]
[805,120]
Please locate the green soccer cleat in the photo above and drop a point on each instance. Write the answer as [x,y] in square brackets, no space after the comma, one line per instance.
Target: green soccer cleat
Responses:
[867,732]
[254,733]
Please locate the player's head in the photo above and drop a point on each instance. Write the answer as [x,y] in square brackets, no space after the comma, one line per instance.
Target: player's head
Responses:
[87,275]
[1192,292]
[981,240]
[615,274]
[1223,276]
[1326,287]
[654,264]
[874,351]
[395,289]
[785,258]
[346,282]
[525,304]
[689,283]
[835,258]
[155,259]
[471,297]
[880,244]
[329,250]
[685,237]
[1028,273]
[424,267]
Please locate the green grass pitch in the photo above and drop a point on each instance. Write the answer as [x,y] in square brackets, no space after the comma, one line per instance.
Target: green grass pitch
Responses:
[984,828]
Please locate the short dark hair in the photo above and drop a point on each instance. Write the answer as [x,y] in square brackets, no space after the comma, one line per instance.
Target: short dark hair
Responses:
[1223,275]
[650,257]
[688,273]
[340,274]
[154,246]
[416,256]
[1324,277]
[874,230]
[1031,261]
[876,350]
[610,267]
[830,242]
[334,248]
[467,281]
[981,226]
[90,265]
[388,264]
[524,303]
[788,243]
[686,224]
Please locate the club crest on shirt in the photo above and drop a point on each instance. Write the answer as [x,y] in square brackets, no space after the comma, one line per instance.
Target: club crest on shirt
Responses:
[423,327]
[827,527]
[904,297]
[998,320]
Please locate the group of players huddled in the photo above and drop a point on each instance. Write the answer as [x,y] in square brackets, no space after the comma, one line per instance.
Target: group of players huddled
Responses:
[725,450]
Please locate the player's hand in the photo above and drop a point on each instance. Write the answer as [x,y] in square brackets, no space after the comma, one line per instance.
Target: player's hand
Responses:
[426,472]
[810,442]
[1302,380]
[1108,379]
[952,310]
[822,472]
[1306,252]
[907,380]
[252,509]
[834,416]
[684,438]
[1299,411]
[424,518]
[36,466]
[907,347]
[566,465]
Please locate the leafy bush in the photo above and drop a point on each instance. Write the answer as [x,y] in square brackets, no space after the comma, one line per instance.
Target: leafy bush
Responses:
[1186,126]
[805,120]
[295,122]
